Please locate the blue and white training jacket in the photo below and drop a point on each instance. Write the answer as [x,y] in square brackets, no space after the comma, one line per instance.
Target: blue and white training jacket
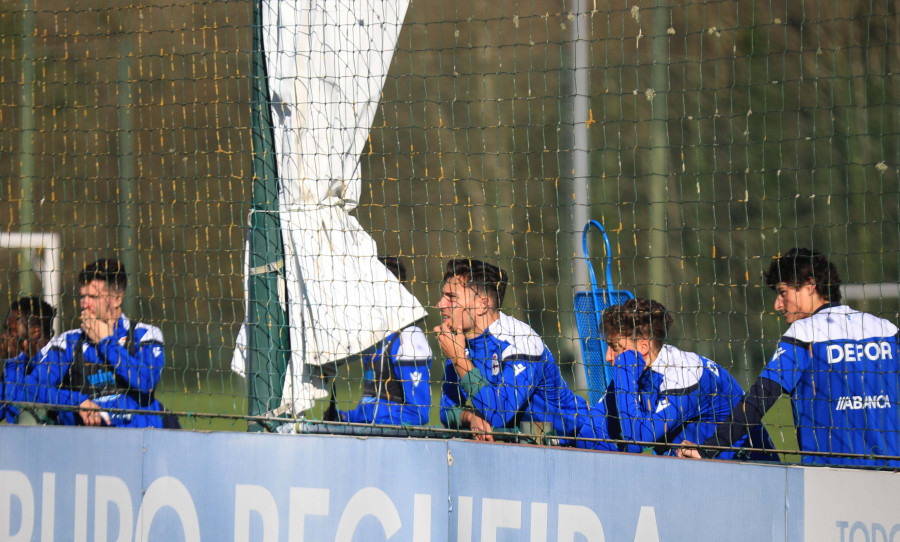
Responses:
[681,396]
[515,380]
[840,367]
[111,366]
[399,394]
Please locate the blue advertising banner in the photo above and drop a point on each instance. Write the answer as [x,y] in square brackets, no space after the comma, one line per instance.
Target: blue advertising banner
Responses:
[125,485]
[60,483]
[527,493]
[280,487]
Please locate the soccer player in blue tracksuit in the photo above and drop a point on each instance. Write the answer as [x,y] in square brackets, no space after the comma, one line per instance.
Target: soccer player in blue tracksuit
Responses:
[396,383]
[839,366]
[499,373]
[27,329]
[396,388]
[109,363]
[663,395]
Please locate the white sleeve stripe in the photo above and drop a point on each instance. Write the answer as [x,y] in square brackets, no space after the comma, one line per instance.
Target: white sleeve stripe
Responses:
[151,334]
[413,345]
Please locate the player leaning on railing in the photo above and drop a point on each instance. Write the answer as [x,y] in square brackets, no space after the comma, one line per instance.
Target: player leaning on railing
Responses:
[660,394]
[26,331]
[499,373]
[840,367]
[109,364]
[396,382]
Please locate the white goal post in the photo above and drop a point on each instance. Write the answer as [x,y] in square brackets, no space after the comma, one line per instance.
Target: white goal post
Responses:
[48,268]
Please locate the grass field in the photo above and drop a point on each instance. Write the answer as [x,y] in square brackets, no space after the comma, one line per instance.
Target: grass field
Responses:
[780,423]
[218,394]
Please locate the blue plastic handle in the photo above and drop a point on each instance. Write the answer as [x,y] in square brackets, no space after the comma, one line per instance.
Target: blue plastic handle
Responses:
[584,248]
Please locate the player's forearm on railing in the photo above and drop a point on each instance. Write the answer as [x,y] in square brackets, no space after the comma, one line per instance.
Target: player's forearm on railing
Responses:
[746,414]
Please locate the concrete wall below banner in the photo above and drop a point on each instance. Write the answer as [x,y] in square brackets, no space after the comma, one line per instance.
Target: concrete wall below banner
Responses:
[79,484]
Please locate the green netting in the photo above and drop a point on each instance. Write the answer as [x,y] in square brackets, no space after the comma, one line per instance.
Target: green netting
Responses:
[711,137]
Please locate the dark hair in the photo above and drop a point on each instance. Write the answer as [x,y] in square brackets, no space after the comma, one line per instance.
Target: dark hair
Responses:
[803,266]
[637,318]
[396,266]
[111,271]
[36,312]
[488,279]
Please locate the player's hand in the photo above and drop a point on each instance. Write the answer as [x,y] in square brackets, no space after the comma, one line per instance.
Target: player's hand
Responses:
[688,450]
[453,345]
[481,429]
[90,413]
[95,328]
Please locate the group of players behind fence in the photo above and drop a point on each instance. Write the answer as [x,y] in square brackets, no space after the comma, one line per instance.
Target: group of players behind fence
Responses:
[839,367]
[102,373]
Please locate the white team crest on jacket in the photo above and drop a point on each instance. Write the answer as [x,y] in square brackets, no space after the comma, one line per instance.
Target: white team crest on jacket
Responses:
[416,377]
[664,404]
[495,365]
